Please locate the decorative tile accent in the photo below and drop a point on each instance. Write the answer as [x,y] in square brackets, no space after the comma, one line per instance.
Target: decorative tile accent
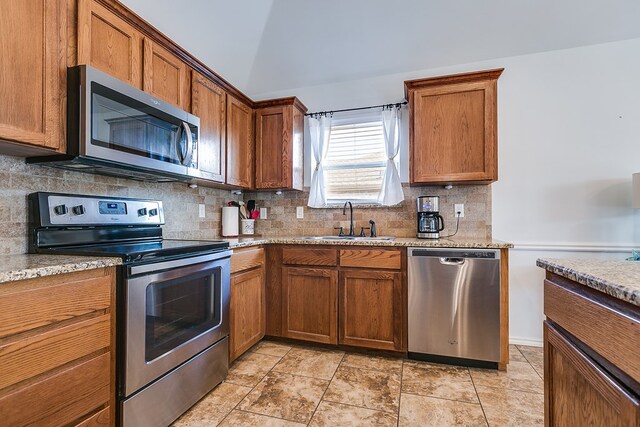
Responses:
[285,396]
[310,363]
[620,279]
[365,388]
[442,381]
[331,414]
[512,408]
[428,411]
[213,407]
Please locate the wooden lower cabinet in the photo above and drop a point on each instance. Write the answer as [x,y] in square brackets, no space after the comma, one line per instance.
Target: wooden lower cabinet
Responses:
[247,313]
[578,392]
[56,350]
[309,304]
[371,309]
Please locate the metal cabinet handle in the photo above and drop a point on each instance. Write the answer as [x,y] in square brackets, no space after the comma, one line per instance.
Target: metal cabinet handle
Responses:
[189,156]
[452,261]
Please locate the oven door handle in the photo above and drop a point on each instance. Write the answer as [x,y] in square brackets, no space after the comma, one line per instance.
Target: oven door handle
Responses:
[134,270]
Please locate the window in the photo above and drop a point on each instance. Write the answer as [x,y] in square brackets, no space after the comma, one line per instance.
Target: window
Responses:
[356,159]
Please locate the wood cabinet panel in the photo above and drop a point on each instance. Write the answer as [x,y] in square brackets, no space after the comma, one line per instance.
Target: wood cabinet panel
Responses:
[99,419]
[309,256]
[29,304]
[109,43]
[245,259]
[33,74]
[32,356]
[279,144]
[247,313]
[453,128]
[208,102]
[371,258]
[371,309]
[578,392]
[58,399]
[165,75]
[606,331]
[309,304]
[240,146]
[273,290]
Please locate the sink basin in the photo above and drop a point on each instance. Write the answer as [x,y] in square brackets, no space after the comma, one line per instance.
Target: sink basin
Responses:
[357,238]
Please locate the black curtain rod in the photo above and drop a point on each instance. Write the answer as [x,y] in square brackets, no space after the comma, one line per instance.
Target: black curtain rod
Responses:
[324,113]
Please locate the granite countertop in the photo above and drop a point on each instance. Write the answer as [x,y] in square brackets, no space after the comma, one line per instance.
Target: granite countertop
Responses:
[29,266]
[397,242]
[618,278]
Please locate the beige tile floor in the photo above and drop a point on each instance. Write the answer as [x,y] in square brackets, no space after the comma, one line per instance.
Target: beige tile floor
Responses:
[289,385]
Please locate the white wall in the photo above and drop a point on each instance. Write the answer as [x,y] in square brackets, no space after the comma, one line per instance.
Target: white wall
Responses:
[569,140]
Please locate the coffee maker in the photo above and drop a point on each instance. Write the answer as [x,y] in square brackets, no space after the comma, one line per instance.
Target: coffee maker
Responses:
[430,222]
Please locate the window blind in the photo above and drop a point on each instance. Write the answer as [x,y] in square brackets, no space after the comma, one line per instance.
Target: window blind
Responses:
[355,162]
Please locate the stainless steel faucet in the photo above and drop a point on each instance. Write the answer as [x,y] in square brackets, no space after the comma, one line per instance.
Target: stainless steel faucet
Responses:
[344,212]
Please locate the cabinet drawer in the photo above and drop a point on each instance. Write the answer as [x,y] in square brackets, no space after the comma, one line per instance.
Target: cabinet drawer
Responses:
[371,258]
[30,304]
[611,334]
[61,398]
[310,256]
[32,356]
[99,419]
[246,259]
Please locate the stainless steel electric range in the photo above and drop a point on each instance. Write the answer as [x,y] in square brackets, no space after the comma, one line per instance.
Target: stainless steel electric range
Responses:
[172,298]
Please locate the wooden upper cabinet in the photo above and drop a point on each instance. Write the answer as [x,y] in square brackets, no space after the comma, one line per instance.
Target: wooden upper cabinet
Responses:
[279,139]
[453,128]
[240,147]
[165,75]
[107,42]
[32,74]
[208,101]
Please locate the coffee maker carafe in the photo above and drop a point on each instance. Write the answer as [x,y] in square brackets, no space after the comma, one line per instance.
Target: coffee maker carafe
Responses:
[430,222]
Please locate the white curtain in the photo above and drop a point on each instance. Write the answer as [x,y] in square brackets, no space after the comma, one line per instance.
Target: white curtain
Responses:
[319,130]
[391,191]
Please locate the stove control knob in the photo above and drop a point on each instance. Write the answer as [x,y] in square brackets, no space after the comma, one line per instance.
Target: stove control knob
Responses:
[60,210]
[153,212]
[142,212]
[78,210]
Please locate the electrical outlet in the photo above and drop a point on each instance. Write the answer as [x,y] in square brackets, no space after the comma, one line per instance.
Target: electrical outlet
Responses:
[263,213]
[458,207]
[201,212]
[300,212]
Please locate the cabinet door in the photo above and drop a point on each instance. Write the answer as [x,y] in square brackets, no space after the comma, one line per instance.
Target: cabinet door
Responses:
[309,304]
[453,135]
[240,147]
[32,72]
[208,101]
[371,309]
[247,312]
[107,42]
[578,392]
[273,147]
[164,75]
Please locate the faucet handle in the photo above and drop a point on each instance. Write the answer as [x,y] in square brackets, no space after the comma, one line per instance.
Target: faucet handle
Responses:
[341,233]
[373,228]
[362,234]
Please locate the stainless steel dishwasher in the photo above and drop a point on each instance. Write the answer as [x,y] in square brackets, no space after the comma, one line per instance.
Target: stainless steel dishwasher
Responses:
[454,306]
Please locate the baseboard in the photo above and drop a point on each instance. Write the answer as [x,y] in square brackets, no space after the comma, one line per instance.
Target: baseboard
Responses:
[525,341]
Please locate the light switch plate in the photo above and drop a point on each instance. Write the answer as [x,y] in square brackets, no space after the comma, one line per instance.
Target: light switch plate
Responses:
[300,212]
[458,207]
[201,211]
[263,213]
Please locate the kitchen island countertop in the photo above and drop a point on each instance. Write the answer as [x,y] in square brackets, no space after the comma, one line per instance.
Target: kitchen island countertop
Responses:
[618,278]
[29,266]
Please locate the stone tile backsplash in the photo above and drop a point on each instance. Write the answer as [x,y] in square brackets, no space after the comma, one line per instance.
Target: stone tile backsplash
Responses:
[17,179]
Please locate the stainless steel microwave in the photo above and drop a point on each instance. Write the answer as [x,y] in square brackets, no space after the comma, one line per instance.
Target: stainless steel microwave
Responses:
[118,130]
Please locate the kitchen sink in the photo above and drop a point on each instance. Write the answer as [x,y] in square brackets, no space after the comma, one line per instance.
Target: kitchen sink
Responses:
[356,238]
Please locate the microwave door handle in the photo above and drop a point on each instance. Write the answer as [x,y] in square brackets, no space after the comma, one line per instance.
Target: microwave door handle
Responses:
[189,155]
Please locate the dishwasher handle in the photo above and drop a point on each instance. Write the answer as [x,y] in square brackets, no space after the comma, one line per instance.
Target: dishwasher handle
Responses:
[452,261]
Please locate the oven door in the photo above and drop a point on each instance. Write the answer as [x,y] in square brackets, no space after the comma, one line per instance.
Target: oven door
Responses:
[174,310]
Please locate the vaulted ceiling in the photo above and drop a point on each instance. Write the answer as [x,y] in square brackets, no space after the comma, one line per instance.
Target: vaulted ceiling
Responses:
[263,46]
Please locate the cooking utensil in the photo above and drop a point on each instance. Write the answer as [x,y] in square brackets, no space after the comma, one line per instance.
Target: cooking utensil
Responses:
[251,206]
[255,214]
[243,212]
